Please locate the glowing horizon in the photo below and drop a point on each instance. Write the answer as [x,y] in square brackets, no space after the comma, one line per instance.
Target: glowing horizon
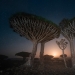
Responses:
[51,48]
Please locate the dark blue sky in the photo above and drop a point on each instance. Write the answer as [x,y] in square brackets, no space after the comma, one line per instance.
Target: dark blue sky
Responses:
[54,10]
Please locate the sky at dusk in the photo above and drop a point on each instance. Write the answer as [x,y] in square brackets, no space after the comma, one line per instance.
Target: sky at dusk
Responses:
[54,10]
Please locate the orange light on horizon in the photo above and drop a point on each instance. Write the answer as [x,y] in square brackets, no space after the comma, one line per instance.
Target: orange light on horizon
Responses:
[55,54]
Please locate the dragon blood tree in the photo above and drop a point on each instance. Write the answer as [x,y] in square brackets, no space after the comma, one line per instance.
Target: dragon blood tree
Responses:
[23,54]
[68,31]
[34,28]
[62,45]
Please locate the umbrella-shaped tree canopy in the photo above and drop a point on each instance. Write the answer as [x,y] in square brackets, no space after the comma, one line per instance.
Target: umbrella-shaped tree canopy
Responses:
[33,27]
[23,54]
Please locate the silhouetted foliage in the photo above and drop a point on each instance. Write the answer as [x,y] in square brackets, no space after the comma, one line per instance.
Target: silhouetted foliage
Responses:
[73,19]
[48,57]
[64,55]
[64,23]
[23,54]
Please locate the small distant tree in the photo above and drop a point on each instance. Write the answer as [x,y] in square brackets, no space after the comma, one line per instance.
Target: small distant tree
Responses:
[48,57]
[23,54]
[64,55]
[62,45]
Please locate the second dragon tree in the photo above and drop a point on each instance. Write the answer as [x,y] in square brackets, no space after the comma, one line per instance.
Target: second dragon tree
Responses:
[34,28]
[62,45]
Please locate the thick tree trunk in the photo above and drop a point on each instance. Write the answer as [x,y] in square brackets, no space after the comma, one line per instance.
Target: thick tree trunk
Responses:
[64,59]
[31,58]
[42,53]
[72,53]
[34,51]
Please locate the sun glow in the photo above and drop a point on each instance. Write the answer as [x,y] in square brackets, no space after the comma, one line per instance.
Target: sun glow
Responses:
[54,54]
